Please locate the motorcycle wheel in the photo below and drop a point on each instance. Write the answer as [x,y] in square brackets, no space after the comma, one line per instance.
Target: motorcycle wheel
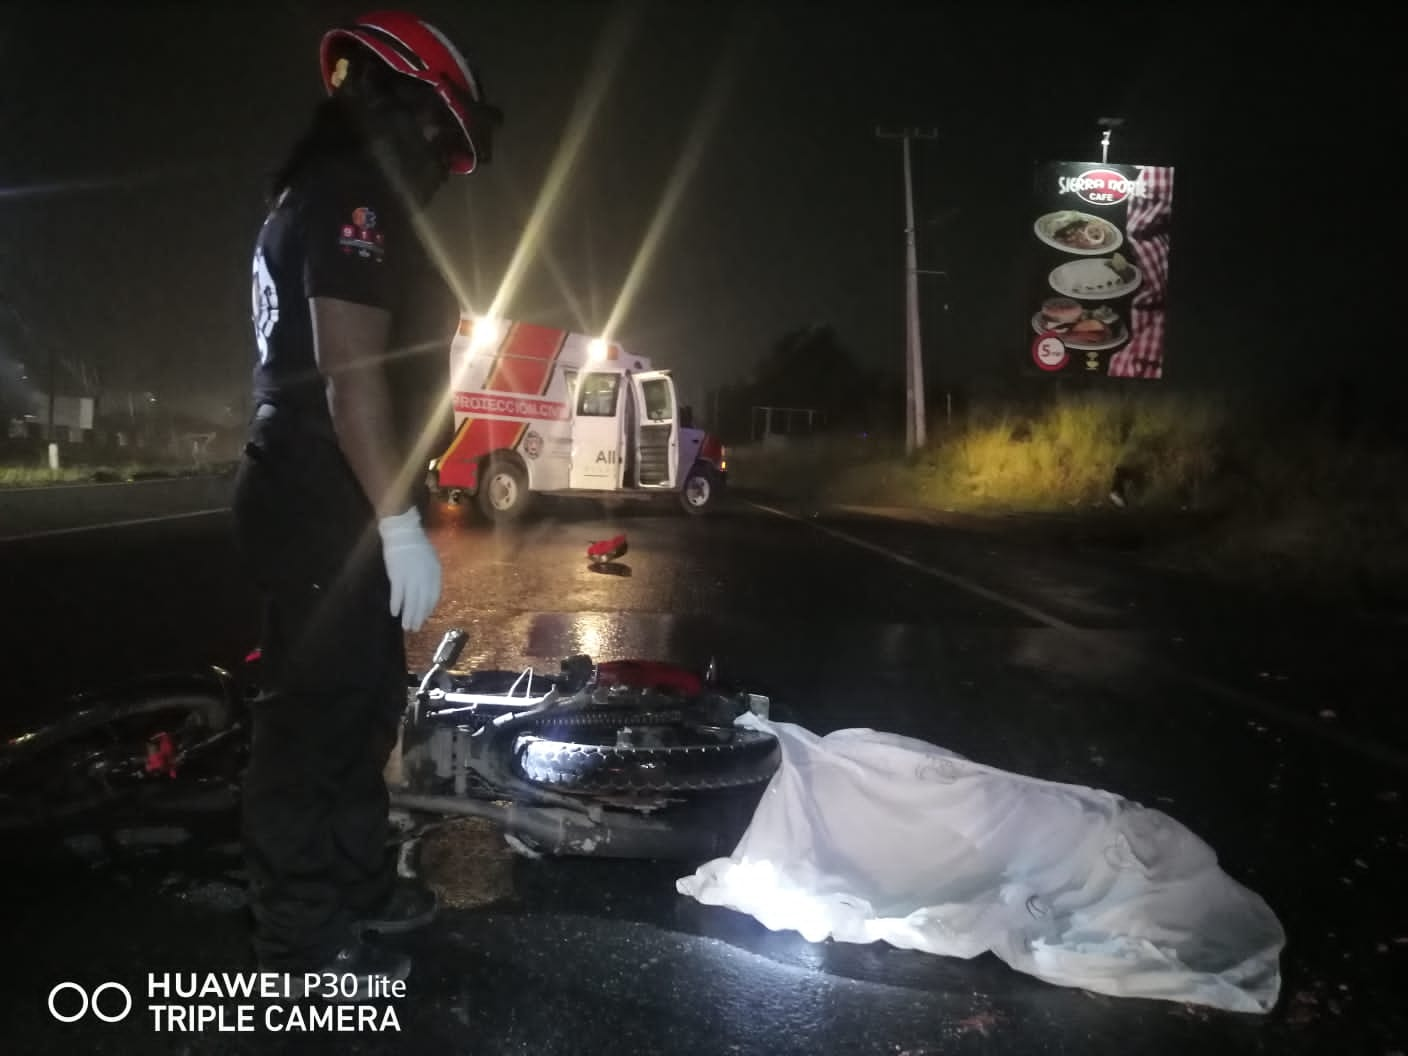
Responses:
[634,755]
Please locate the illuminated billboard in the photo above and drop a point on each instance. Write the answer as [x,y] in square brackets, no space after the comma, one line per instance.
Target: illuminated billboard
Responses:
[1099,246]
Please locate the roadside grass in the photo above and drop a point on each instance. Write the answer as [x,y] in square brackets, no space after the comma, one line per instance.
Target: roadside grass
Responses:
[31,475]
[1210,485]
[13,476]
[1001,459]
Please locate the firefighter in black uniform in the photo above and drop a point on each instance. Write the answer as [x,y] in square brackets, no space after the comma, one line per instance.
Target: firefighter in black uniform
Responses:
[346,302]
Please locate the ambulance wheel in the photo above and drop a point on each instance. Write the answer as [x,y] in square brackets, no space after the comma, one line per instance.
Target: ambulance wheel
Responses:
[700,491]
[503,491]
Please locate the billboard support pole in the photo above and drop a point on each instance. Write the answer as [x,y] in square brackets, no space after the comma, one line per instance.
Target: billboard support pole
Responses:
[1109,124]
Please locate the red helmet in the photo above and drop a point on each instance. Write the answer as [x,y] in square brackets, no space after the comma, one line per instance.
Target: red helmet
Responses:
[419,51]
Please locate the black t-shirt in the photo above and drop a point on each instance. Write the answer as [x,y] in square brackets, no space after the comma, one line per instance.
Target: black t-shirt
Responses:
[342,232]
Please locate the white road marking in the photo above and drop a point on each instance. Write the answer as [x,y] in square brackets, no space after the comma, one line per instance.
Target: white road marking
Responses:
[956,580]
[49,532]
[1299,720]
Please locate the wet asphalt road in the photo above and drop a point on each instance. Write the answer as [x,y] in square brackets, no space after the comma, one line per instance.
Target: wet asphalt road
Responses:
[1274,731]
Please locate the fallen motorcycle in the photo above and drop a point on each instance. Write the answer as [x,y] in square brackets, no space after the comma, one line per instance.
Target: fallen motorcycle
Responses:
[620,758]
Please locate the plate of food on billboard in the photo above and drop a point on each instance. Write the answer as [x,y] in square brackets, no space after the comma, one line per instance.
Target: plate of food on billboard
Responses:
[1076,232]
[1099,268]
[1095,280]
[1093,329]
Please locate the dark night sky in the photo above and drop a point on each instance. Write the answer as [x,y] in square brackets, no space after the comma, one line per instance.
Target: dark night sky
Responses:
[137,137]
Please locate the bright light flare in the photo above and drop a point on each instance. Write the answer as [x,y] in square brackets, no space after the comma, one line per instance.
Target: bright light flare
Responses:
[485,333]
[608,59]
[610,51]
[711,108]
[596,351]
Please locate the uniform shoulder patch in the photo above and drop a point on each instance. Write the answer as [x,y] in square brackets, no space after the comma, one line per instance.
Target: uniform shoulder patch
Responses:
[361,237]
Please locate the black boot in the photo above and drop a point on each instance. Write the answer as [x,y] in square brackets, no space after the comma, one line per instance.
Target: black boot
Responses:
[410,905]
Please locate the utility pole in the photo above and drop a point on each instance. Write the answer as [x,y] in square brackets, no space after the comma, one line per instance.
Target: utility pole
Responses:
[53,379]
[914,430]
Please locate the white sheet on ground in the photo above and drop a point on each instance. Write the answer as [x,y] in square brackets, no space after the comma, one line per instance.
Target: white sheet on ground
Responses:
[865,836]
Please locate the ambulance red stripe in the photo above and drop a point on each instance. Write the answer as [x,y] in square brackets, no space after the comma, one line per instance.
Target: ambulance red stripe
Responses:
[454,470]
[523,364]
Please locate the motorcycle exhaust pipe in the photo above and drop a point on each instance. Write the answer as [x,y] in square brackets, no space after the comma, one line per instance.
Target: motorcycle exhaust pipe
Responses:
[555,831]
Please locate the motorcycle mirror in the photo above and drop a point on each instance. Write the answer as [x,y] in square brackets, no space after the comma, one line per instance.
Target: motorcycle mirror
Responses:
[450,648]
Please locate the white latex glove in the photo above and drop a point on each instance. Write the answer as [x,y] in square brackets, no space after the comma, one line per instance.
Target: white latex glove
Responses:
[412,566]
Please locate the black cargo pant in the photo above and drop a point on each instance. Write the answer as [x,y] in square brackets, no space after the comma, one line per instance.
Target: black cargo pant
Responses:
[333,676]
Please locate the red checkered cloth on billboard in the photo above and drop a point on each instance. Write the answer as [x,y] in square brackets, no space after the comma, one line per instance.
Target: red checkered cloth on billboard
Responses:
[1148,228]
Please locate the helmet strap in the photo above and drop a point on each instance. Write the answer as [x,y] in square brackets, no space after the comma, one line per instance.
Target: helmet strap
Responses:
[403,153]
[394,133]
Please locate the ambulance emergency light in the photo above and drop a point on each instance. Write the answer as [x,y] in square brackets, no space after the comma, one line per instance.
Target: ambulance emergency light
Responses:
[485,332]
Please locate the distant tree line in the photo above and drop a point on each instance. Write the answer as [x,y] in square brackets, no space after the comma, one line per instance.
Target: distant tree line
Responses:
[809,367]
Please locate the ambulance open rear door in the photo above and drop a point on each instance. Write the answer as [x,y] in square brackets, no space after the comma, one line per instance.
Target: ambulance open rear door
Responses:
[598,431]
[656,432]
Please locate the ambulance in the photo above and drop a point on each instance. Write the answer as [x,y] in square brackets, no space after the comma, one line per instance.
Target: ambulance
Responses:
[545,411]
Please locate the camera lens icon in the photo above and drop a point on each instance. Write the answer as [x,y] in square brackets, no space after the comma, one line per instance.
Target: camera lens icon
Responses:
[100,1005]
